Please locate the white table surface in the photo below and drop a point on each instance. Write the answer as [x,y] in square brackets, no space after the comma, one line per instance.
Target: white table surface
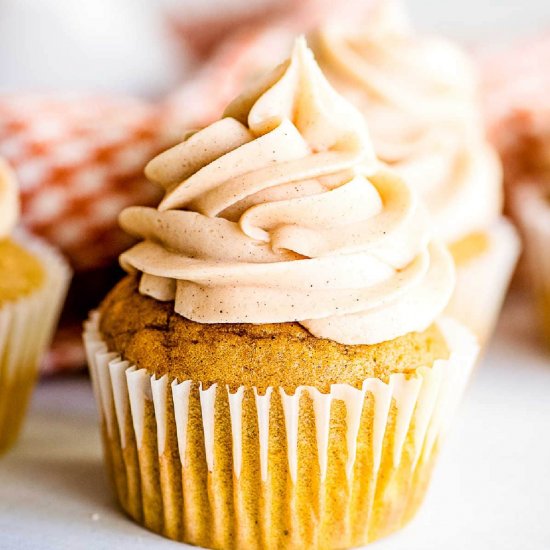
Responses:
[491,488]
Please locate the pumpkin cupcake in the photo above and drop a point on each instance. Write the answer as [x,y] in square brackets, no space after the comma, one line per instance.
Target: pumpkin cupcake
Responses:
[273,372]
[518,117]
[419,97]
[33,284]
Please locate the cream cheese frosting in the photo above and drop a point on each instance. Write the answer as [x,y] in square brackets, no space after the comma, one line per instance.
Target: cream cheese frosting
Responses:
[9,200]
[419,97]
[281,212]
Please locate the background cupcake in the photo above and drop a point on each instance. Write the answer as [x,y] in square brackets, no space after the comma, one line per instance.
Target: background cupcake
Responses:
[517,112]
[272,372]
[33,284]
[419,96]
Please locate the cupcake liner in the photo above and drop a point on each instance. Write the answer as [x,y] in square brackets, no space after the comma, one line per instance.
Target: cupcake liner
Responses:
[26,329]
[239,467]
[532,210]
[482,282]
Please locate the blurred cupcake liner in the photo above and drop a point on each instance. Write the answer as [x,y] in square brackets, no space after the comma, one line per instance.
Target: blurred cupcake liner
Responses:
[26,328]
[482,282]
[531,205]
[223,467]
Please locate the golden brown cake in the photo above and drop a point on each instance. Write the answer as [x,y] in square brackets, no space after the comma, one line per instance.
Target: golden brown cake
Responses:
[33,283]
[150,334]
[274,372]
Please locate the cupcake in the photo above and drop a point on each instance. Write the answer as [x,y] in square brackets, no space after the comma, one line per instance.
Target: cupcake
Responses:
[274,371]
[419,97]
[517,111]
[33,284]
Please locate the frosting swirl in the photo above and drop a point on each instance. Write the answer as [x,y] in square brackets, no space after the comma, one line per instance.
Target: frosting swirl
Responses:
[280,212]
[9,199]
[419,96]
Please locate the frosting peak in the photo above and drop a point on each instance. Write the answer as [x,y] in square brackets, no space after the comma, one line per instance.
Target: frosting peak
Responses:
[298,91]
[9,199]
[280,212]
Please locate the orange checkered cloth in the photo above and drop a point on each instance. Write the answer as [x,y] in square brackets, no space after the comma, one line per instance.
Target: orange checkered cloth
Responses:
[79,161]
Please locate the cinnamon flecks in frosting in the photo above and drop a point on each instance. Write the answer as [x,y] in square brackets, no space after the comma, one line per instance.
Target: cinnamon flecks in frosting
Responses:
[9,199]
[280,212]
[419,97]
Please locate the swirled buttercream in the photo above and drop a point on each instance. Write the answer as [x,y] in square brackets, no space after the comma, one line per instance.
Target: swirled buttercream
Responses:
[419,97]
[280,212]
[9,199]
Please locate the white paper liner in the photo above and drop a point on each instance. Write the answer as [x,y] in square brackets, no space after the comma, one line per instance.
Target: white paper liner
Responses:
[426,400]
[26,329]
[482,282]
[531,204]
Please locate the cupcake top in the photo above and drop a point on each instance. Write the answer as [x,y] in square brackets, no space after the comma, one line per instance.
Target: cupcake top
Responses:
[20,271]
[280,212]
[419,96]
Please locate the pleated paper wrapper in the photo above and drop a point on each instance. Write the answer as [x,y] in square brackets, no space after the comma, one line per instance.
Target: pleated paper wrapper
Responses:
[482,282]
[531,203]
[225,467]
[26,329]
